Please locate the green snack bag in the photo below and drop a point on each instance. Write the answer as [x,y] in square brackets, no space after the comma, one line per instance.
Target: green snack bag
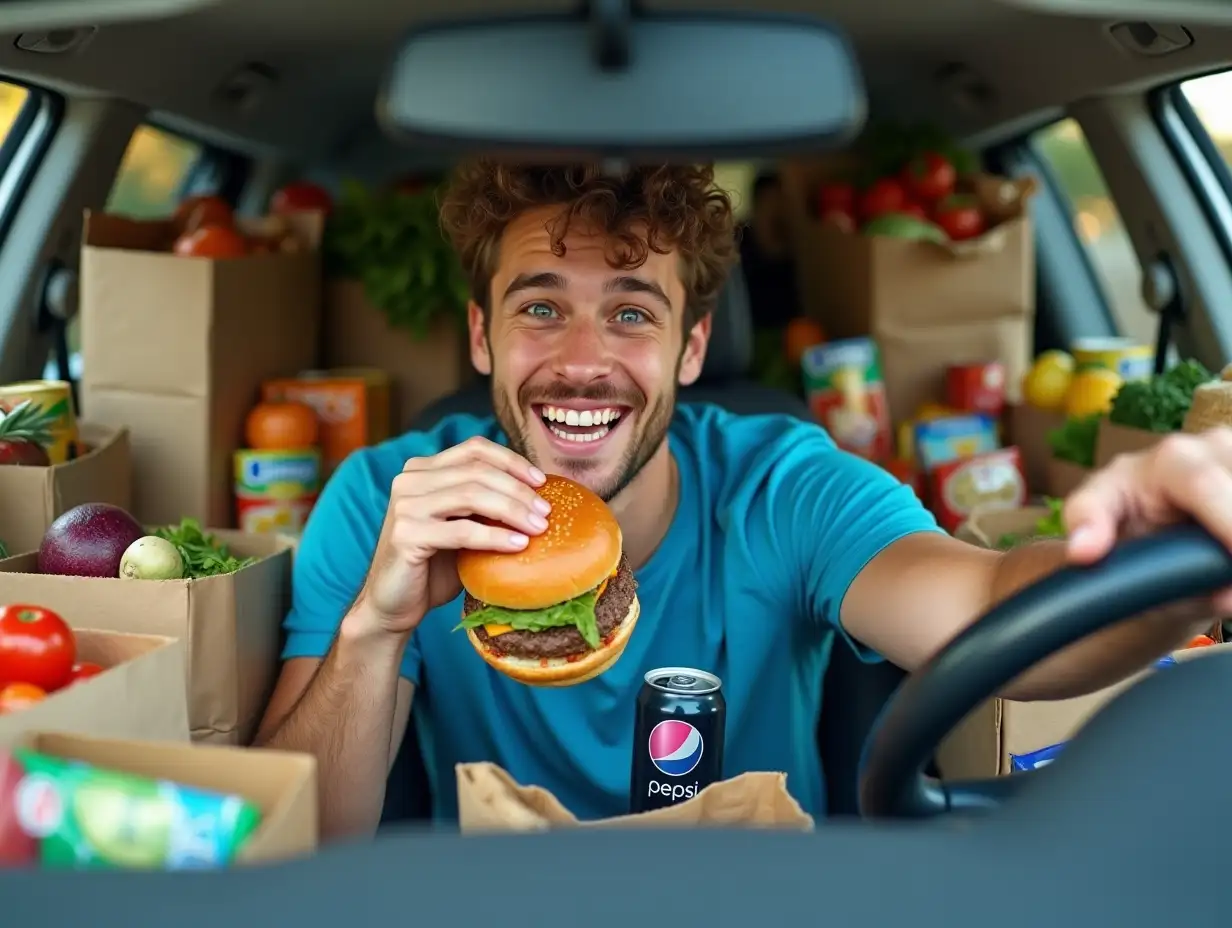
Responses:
[86,817]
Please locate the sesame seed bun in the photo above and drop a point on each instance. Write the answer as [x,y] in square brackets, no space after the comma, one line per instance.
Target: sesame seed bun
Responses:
[579,549]
[558,671]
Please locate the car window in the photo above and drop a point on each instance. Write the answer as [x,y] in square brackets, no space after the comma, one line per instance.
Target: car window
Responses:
[1209,99]
[155,166]
[12,99]
[1097,224]
[147,186]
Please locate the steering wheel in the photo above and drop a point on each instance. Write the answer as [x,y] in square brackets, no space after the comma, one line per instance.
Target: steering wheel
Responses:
[1013,637]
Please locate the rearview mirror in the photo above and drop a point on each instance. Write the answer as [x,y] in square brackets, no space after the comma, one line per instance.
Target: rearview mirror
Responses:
[676,86]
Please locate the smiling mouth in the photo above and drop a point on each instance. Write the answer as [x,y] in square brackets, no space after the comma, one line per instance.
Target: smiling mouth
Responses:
[581,426]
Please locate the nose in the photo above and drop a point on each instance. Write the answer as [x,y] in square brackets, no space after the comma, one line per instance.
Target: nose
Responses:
[582,354]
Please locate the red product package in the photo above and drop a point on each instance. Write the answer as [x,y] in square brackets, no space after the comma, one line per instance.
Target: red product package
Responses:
[993,479]
[976,387]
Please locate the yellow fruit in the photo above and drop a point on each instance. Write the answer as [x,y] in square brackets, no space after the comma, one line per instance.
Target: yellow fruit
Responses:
[1091,392]
[1048,381]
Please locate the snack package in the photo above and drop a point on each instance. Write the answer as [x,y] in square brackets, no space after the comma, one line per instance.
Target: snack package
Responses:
[66,814]
[846,393]
[940,441]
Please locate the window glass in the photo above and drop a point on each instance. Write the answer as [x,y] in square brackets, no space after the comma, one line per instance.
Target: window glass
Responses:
[155,166]
[12,99]
[1209,98]
[1098,225]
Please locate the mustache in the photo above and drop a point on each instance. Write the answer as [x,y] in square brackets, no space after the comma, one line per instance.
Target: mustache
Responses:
[606,393]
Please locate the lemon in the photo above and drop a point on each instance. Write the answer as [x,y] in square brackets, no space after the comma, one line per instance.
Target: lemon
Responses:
[1048,381]
[1091,392]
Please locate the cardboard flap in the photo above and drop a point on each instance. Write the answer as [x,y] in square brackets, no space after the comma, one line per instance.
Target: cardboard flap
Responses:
[1113,440]
[107,230]
[986,527]
[489,799]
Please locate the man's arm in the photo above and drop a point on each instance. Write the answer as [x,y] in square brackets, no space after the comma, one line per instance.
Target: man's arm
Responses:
[350,711]
[922,590]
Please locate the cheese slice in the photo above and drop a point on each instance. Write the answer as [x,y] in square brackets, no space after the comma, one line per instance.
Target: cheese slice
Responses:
[602,587]
[493,629]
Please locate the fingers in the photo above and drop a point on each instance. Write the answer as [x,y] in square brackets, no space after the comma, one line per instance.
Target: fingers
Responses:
[1183,476]
[475,489]
[417,537]
[475,450]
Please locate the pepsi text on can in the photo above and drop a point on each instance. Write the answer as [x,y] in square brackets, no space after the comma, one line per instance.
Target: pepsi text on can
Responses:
[677,737]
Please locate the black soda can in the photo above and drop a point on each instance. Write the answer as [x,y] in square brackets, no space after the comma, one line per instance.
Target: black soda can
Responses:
[677,737]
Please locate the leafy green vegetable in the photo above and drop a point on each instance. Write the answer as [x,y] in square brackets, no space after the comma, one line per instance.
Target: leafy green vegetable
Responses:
[392,242]
[1074,441]
[578,612]
[202,553]
[1047,526]
[887,147]
[1160,403]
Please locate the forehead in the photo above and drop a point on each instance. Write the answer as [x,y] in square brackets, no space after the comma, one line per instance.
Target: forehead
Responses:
[526,247]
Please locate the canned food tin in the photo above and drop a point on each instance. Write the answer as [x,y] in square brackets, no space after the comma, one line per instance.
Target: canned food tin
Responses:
[55,398]
[275,490]
[677,737]
[1124,356]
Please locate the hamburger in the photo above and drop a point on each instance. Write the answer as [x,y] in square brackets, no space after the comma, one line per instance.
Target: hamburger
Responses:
[561,610]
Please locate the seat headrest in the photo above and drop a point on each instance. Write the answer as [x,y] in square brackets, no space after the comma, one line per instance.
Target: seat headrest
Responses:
[730,353]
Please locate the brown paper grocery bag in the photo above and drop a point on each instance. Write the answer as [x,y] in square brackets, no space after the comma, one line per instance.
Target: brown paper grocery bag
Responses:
[31,498]
[421,371]
[176,349]
[988,528]
[1064,477]
[283,785]
[1121,439]
[231,625]
[139,694]
[489,799]
[1028,430]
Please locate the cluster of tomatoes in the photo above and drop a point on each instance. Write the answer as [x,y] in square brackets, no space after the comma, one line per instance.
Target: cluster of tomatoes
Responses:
[205,225]
[925,188]
[38,655]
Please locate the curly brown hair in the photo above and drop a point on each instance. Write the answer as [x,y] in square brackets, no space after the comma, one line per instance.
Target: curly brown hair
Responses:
[663,208]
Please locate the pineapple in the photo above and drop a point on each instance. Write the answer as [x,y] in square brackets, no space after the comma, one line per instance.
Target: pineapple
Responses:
[25,433]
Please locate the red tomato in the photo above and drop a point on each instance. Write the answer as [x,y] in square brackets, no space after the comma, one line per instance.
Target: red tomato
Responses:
[884,196]
[18,696]
[930,177]
[36,647]
[300,196]
[83,671]
[212,242]
[960,218]
[838,198]
[203,210]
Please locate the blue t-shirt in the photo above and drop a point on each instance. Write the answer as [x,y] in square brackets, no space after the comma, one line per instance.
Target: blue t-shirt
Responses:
[773,524]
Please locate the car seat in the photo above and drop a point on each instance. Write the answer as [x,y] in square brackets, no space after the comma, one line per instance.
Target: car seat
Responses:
[854,691]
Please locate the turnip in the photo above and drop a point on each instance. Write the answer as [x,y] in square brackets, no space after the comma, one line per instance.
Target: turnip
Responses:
[151,558]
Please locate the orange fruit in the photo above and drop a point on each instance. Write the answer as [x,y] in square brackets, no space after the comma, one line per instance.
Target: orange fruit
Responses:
[801,335]
[281,427]
[212,242]
[18,696]
[202,210]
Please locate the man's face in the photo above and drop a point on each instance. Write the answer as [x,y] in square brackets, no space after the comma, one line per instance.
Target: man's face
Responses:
[584,358]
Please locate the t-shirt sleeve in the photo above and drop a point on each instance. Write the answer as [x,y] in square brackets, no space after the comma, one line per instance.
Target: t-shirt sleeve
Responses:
[334,553]
[831,513]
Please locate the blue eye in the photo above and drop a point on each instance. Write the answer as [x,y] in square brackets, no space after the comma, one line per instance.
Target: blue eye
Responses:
[631,316]
[540,310]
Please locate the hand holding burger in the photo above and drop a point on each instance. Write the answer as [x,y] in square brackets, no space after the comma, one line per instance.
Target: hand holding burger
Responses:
[560,610]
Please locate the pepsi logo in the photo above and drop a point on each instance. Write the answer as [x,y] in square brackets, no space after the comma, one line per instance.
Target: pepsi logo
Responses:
[675,747]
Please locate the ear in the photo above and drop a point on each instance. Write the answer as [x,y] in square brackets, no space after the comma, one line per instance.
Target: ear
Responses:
[694,355]
[478,338]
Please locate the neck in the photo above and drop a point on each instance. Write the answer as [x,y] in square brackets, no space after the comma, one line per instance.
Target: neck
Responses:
[646,506]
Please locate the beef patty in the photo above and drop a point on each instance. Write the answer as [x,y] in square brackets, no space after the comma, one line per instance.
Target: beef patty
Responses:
[610,611]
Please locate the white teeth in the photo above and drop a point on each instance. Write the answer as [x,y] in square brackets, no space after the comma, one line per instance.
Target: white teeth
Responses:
[581,418]
[584,417]
[580,436]
[572,417]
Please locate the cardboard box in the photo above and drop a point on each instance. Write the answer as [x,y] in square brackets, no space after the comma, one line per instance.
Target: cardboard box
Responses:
[982,744]
[141,692]
[31,498]
[1063,477]
[928,306]
[988,527]
[421,372]
[176,349]
[1028,430]
[281,784]
[1120,439]
[231,625]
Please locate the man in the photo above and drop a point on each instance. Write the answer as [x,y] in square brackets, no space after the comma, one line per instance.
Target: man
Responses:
[756,543]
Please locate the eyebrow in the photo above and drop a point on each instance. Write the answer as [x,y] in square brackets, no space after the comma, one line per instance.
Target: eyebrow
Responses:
[549,280]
